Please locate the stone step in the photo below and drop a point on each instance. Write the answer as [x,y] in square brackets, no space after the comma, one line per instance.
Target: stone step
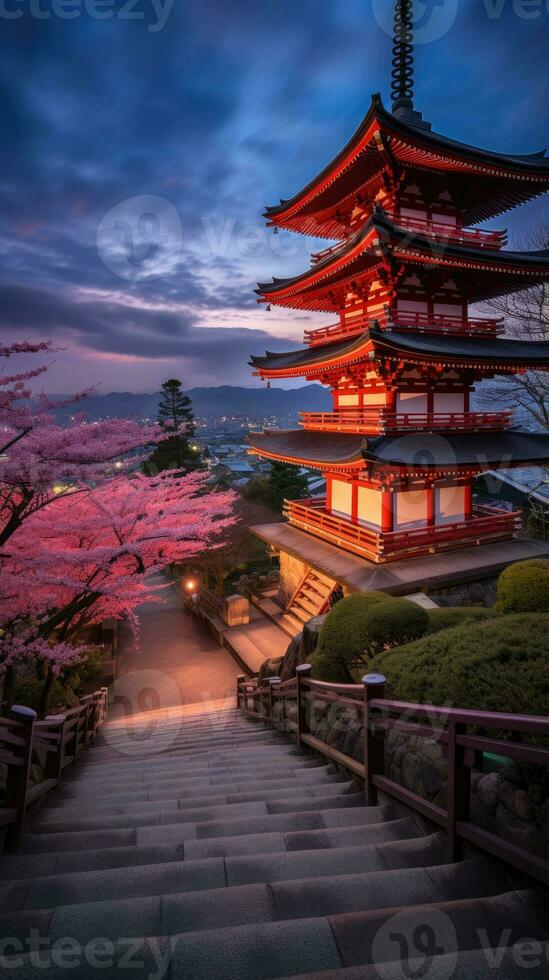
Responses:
[504,963]
[197,875]
[151,765]
[13,866]
[220,908]
[127,752]
[301,839]
[75,790]
[184,794]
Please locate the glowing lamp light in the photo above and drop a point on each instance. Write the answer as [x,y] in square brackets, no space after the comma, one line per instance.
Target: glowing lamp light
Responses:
[118,465]
[190,585]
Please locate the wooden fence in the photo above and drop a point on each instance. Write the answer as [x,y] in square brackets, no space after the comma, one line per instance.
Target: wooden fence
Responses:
[57,742]
[464,736]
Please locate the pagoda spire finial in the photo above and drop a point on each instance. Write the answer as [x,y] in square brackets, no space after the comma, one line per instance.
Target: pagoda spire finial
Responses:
[402,85]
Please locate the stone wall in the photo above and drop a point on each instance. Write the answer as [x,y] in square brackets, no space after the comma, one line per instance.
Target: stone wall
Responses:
[292,571]
[481,593]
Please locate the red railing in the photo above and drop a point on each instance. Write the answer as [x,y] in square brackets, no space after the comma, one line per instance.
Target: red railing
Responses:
[418,322]
[58,741]
[290,706]
[486,523]
[439,323]
[378,421]
[436,229]
[336,331]
[326,253]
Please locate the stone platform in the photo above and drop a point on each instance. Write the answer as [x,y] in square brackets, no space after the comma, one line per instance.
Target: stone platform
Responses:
[420,574]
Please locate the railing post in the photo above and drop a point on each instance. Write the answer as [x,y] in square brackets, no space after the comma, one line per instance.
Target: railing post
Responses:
[374,738]
[459,790]
[239,680]
[273,683]
[54,762]
[303,672]
[18,777]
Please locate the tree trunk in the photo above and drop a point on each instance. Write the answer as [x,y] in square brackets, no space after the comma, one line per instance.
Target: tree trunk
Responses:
[46,694]
[9,686]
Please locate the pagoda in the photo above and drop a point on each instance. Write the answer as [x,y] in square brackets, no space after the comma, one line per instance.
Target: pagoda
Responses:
[402,446]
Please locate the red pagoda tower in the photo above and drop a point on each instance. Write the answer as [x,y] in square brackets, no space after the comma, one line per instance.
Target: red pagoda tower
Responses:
[401,448]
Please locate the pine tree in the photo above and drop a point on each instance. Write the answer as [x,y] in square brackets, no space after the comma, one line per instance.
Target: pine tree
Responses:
[175,415]
[285,482]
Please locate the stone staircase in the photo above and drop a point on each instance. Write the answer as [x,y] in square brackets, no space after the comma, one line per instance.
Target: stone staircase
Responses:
[227,855]
[311,597]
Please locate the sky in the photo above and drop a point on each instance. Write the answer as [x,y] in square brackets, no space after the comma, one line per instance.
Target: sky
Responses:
[141,140]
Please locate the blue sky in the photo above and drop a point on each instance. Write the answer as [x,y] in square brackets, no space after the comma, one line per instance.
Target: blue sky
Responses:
[182,120]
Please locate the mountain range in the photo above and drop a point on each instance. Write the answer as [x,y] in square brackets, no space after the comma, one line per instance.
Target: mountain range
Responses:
[207,402]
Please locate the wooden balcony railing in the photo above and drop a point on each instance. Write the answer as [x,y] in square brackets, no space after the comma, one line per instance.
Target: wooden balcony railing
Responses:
[379,422]
[57,741]
[486,523]
[439,323]
[418,322]
[463,735]
[337,331]
[479,237]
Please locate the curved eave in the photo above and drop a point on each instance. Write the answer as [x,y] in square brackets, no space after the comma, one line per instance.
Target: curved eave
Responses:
[284,289]
[434,453]
[377,237]
[418,147]
[319,451]
[310,361]
[498,355]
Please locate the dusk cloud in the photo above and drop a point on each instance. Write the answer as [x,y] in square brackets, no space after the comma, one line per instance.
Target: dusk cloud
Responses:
[230,106]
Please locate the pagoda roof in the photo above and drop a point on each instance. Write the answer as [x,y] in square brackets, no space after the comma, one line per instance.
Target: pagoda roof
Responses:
[418,452]
[318,450]
[498,354]
[380,239]
[452,349]
[383,140]
[479,451]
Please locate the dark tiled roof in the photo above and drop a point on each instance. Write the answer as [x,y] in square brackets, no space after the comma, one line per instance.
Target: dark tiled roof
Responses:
[414,450]
[308,356]
[309,447]
[485,450]
[369,161]
[392,235]
[440,346]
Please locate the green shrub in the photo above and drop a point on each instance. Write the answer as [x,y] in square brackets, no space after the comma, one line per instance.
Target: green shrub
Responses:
[445,618]
[28,691]
[524,587]
[499,665]
[359,627]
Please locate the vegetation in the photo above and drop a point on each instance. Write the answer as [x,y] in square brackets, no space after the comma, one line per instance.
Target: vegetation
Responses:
[360,626]
[500,665]
[65,690]
[524,587]
[176,419]
[284,482]
[445,618]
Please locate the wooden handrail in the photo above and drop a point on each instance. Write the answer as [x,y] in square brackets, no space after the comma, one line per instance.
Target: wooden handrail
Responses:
[379,421]
[61,738]
[310,515]
[449,727]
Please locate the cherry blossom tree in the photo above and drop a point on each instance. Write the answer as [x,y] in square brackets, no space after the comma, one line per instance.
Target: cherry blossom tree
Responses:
[83,533]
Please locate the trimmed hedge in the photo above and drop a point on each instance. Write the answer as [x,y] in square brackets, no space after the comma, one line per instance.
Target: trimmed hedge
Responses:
[524,587]
[449,616]
[360,626]
[500,665]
